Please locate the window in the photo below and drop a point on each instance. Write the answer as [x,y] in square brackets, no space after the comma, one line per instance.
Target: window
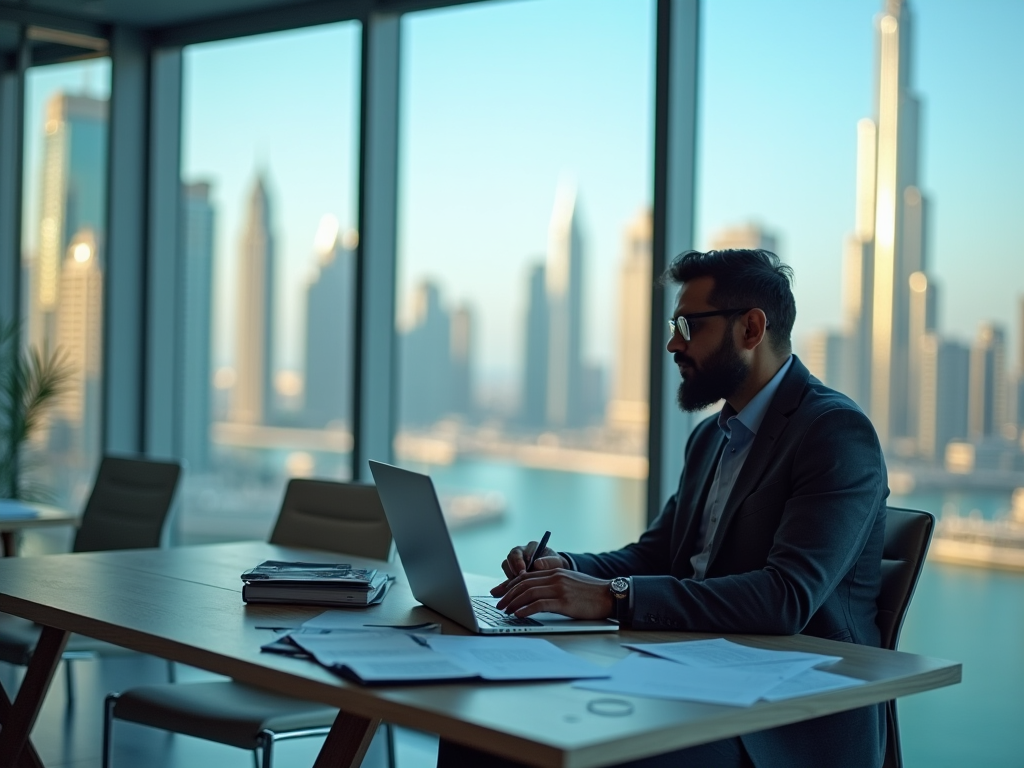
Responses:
[886,174]
[63,227]
[269,213]
[524,269]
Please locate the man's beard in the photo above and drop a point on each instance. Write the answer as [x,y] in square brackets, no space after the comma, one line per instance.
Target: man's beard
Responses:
[721,375]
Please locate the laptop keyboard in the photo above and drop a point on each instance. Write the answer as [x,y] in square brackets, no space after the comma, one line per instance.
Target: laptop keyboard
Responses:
[491,615]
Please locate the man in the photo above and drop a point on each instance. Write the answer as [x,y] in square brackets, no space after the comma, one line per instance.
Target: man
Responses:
[777,523]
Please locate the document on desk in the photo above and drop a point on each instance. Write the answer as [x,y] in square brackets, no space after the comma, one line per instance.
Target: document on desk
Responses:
[381,657]
[330,621]
[514,658]
[808,682]
[724,653]
[639,675]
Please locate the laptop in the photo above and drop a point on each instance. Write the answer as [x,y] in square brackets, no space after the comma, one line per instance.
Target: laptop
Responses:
[421,535]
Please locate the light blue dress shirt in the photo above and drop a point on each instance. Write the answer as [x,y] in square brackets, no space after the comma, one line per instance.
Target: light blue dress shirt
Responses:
[740,430]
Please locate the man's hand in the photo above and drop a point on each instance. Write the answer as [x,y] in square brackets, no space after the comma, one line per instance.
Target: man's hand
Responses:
[569,593]
[515,564]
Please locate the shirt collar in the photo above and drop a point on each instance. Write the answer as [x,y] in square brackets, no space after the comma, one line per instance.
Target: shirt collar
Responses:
[753,413]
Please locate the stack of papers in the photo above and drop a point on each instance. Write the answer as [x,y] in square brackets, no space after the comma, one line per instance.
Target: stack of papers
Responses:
[719,672]
[385,656]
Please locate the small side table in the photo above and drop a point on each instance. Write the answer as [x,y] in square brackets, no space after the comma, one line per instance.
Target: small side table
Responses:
[18,515]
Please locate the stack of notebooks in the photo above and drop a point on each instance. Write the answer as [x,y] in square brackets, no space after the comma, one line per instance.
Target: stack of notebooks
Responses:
[275,581]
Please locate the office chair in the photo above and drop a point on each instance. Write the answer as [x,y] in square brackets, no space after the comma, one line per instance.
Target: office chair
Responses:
[907,534]
[317,514]
[126,510]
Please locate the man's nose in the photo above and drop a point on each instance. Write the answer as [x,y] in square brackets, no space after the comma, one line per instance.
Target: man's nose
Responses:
[676,343]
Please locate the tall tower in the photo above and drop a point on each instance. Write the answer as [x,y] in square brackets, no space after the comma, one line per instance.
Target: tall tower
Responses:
[628,409]
[749,235]
[534,404]
[72,199]
[253,394]
[79,333]
[425,370]
[987,403]
[197,224]
[330,314]
[461,360]
[565,312]
[889,243]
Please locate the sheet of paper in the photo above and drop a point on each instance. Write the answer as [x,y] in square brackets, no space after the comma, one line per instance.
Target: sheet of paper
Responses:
[514,658]
[349,619]
[384,656]
[811,681]
[638,675]
[724,653]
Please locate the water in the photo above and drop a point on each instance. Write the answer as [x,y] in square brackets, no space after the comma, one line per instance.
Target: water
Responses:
[969,615]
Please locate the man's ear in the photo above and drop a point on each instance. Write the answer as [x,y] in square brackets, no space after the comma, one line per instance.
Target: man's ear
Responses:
[754,324]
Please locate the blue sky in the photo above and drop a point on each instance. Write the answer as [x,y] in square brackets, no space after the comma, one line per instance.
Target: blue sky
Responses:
[502,99]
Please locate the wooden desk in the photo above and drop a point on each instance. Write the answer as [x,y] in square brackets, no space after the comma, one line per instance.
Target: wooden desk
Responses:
[184,604]
[45,516]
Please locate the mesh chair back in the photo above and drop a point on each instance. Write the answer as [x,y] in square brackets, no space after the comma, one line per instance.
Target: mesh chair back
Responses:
[128,505]
[340,517]
[907,534]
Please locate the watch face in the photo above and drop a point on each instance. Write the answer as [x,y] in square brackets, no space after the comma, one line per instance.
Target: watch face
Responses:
[620,586]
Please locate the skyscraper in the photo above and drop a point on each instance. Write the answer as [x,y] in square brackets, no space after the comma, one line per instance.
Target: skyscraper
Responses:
[987,397]
[922,314]
[942,401]
[749,235]
[79,333]
[534,404]
[564,275]
[72,200]
[628,409]
[889,242]
[198,220]
[330,315]
[253,392]
[425,368]
[461,360]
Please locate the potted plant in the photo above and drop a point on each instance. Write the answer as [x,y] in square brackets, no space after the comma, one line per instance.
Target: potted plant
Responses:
[31,382]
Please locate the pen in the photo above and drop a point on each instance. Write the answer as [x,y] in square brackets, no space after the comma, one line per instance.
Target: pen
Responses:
[543,543]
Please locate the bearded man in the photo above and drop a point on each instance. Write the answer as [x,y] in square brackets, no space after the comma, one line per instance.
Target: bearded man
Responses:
[776,526]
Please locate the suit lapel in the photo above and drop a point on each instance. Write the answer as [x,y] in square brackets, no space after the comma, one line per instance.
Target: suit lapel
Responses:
[786,400]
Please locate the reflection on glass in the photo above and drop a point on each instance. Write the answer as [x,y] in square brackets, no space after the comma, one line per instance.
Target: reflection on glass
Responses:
[525,270]
[63,267]
[267,247]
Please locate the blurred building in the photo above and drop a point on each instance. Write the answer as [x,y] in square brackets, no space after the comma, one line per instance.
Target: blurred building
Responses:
[987,411]
[197,231]
[330,328]
[534,398]
[79,335]
[889,242]
[943,391]
[73,180]
[461,361]
[254,383]
[747,235]
[425,365]
[564,275]
[628,408]
[825,353]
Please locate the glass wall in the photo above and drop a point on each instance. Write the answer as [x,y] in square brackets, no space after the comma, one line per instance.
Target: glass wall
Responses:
[269,168]
[525,269]
[63,228]
[887,174]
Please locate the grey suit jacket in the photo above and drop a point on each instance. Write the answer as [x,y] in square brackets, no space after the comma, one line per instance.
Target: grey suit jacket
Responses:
[798,550]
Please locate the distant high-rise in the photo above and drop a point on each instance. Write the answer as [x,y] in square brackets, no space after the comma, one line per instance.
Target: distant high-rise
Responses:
[942,401]
[825,352]
[461,360]
[564,273]
[197,221]
[330,316]
[747,235]
[628,408]
[534,403]
[922,315]
[79,333]
[73,200]
[987,397]
[889,241]
[425,363]
[253,391]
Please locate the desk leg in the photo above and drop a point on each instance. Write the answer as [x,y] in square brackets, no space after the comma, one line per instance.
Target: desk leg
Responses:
[10,543]
[347,742]
[18,719]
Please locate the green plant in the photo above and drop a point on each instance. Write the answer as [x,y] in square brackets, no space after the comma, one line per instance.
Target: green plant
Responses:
[31,381]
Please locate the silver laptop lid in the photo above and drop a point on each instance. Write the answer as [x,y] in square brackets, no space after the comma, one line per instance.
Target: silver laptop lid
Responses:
[421,535]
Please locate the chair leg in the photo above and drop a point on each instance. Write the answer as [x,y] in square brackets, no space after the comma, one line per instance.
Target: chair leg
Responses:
[108,727]
[69,685]
[266,742]
[389,731]
[172,676]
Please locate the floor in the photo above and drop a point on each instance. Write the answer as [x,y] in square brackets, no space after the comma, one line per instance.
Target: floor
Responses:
[73,738]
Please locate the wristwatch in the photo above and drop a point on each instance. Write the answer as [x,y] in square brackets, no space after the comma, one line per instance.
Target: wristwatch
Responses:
[619,588]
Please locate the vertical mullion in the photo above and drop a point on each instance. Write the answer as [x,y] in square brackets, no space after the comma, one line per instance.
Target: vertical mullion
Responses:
[12,149]
[374,370]
[675,157]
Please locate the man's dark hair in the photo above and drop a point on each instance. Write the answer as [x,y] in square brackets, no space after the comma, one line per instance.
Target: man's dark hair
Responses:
[744,278]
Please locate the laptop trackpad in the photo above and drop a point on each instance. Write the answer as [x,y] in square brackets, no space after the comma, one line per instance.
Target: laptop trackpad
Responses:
[546,617]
